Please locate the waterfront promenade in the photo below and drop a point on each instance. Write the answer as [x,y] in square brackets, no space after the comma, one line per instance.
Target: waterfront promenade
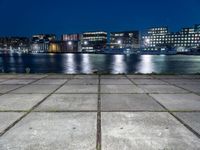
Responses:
[108,112]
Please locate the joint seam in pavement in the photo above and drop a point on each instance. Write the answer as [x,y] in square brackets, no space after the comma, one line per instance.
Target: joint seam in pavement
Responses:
[31,110]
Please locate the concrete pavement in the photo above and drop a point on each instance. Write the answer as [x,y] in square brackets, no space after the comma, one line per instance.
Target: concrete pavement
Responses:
[108,112]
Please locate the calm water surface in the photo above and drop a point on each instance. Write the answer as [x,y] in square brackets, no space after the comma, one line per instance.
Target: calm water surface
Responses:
[89,63]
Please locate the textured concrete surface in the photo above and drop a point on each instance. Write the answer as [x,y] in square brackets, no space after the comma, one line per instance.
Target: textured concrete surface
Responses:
[102,112]
[180,102]
[131,102]
[145,131]
[67,102]
[50,131]
[190,118]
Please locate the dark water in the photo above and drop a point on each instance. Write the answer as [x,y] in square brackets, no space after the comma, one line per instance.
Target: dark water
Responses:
[89,63]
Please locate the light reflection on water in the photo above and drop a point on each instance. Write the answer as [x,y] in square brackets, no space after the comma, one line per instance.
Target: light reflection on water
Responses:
[89,63]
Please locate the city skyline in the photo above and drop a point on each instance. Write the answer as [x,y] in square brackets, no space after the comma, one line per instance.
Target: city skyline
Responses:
[25,18]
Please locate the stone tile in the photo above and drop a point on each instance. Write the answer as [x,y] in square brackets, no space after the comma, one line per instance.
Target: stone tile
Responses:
[7,76]
[182,81]
[18,81]
[120,89]
[128,102]
[52,131]
[7,118]
[148,81]
[86,77]
[179,102]
[2,80]
[191,87]
[78,89]
[68,102]
[189,76]
[83,81]
[167,76]
[190,118]
[30,76]
[115,81]
[51,81]
[36,89]
[162,89]
[156,130]
[6,88]
[113,77]
[140,76]
[23,102]
[59,76]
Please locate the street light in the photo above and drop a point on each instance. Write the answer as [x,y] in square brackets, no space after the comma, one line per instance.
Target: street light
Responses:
[70,43]
[119,42]
[85,42]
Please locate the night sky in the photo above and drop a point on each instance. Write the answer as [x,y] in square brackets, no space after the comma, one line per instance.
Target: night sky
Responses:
[27,17]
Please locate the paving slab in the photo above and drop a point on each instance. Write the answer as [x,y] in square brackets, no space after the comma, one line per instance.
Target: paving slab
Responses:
[168,76]
[192,119]
[7,118]
[182,81]
[128,102]
[83,81]
[2,80]
[121,89]
[51,81]
[140,76]
[18,81]
[19,102]
[191,87]
[52,131]
[69,102]
[115,81]
[149,81]
[78,89]
[113,77]
[60,76]
[141,131]
[162,89]
[42,89]
[179,102]
[7,88]
[86,76]
[30,76]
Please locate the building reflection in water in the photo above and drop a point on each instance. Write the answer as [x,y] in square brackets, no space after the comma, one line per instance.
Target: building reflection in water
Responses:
[146,64]
[69,64]
[118,64]
[86,66]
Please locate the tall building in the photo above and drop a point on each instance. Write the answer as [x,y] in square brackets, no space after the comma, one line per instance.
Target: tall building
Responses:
[160,38]
[71,42]
[41,42]
[94,41]
[126,39]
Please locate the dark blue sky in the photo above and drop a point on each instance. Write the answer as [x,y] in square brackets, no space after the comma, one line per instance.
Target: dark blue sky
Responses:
[27,17]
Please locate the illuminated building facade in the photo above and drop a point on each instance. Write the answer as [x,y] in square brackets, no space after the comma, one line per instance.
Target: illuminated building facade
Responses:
[41,42]
[94,41]
[71,42]
[126,39]
[158,38]
[14,43]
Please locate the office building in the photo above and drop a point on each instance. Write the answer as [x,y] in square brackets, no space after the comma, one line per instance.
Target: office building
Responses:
[126,39]
[94,41]
[161,38]
[41,42]
[71,43]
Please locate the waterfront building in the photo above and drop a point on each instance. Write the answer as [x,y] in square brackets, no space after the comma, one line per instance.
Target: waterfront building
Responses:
[18,44]
[41,42]
[71,42]
[160,39]
[125,39]
[94,41]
